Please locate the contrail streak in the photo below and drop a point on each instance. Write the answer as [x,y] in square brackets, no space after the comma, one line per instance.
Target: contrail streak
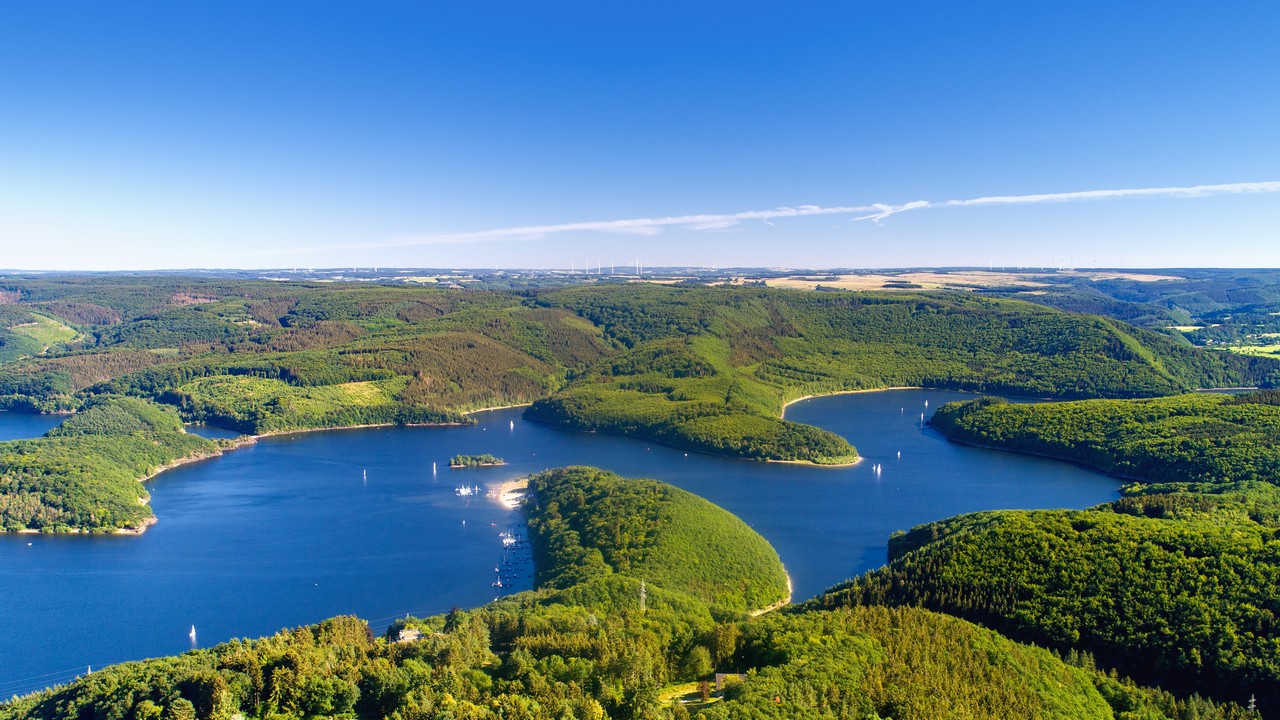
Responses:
[876,212]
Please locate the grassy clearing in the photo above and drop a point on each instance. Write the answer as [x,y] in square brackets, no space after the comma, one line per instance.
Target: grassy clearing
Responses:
[1272,351]
[264,405]
[686,694]
[46,331]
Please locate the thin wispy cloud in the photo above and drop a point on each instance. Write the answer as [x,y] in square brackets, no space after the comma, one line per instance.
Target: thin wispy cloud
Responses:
[875,212]
[885,211]
[629,226]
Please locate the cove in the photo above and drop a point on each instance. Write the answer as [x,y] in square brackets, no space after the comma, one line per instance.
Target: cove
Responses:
[302,527]
[23,426]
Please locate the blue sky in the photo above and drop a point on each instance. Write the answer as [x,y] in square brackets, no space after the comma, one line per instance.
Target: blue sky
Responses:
[313,134]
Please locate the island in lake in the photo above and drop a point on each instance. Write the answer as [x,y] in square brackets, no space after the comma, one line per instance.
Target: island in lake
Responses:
[472,461]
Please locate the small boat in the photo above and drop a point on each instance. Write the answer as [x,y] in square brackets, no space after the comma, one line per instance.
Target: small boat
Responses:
[192,634]
[513,424]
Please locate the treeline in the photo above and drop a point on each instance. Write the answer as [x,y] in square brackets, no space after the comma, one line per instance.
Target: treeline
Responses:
[600,647]
[83,475]
[1188,438]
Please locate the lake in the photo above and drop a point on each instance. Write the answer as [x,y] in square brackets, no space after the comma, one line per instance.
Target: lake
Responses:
[19,426]
[302,527]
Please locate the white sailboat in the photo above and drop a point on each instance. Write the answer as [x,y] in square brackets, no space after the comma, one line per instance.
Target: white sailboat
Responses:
[192,634]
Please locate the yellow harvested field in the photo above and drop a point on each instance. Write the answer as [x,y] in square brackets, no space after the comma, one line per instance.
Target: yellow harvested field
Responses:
[1136,277]
[957,280]
[962,280]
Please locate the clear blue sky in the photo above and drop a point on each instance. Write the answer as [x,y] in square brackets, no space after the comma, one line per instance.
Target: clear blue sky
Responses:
[278,134]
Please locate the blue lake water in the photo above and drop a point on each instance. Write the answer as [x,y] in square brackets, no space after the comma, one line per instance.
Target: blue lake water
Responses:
[302,527]
[20,426]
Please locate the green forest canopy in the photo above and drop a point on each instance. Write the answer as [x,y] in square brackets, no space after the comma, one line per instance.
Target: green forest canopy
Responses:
[701,368]
[587,649]
[1176,582]
[84,474]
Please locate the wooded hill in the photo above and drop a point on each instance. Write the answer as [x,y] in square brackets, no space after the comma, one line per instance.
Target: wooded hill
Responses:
[588,650]
[1187,438]
[588,522]
[1189,603]
[84,474]
[1178,582]
[710,369]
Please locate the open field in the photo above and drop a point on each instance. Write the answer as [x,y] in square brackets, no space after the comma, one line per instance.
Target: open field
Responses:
[1257,350]
[925,281]
[943,280]
[46,331]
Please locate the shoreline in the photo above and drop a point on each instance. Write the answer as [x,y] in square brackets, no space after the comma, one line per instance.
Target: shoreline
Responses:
[809,463]
[300,431]
[511,493]
[781,603]
[1069,461]
[236,444]
[366,426]
[789,403]
[497,407]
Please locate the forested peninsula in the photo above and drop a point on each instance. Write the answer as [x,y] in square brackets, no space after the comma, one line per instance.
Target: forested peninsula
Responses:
[1176,582]
[629,639]
[85,474]
[1187,438]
